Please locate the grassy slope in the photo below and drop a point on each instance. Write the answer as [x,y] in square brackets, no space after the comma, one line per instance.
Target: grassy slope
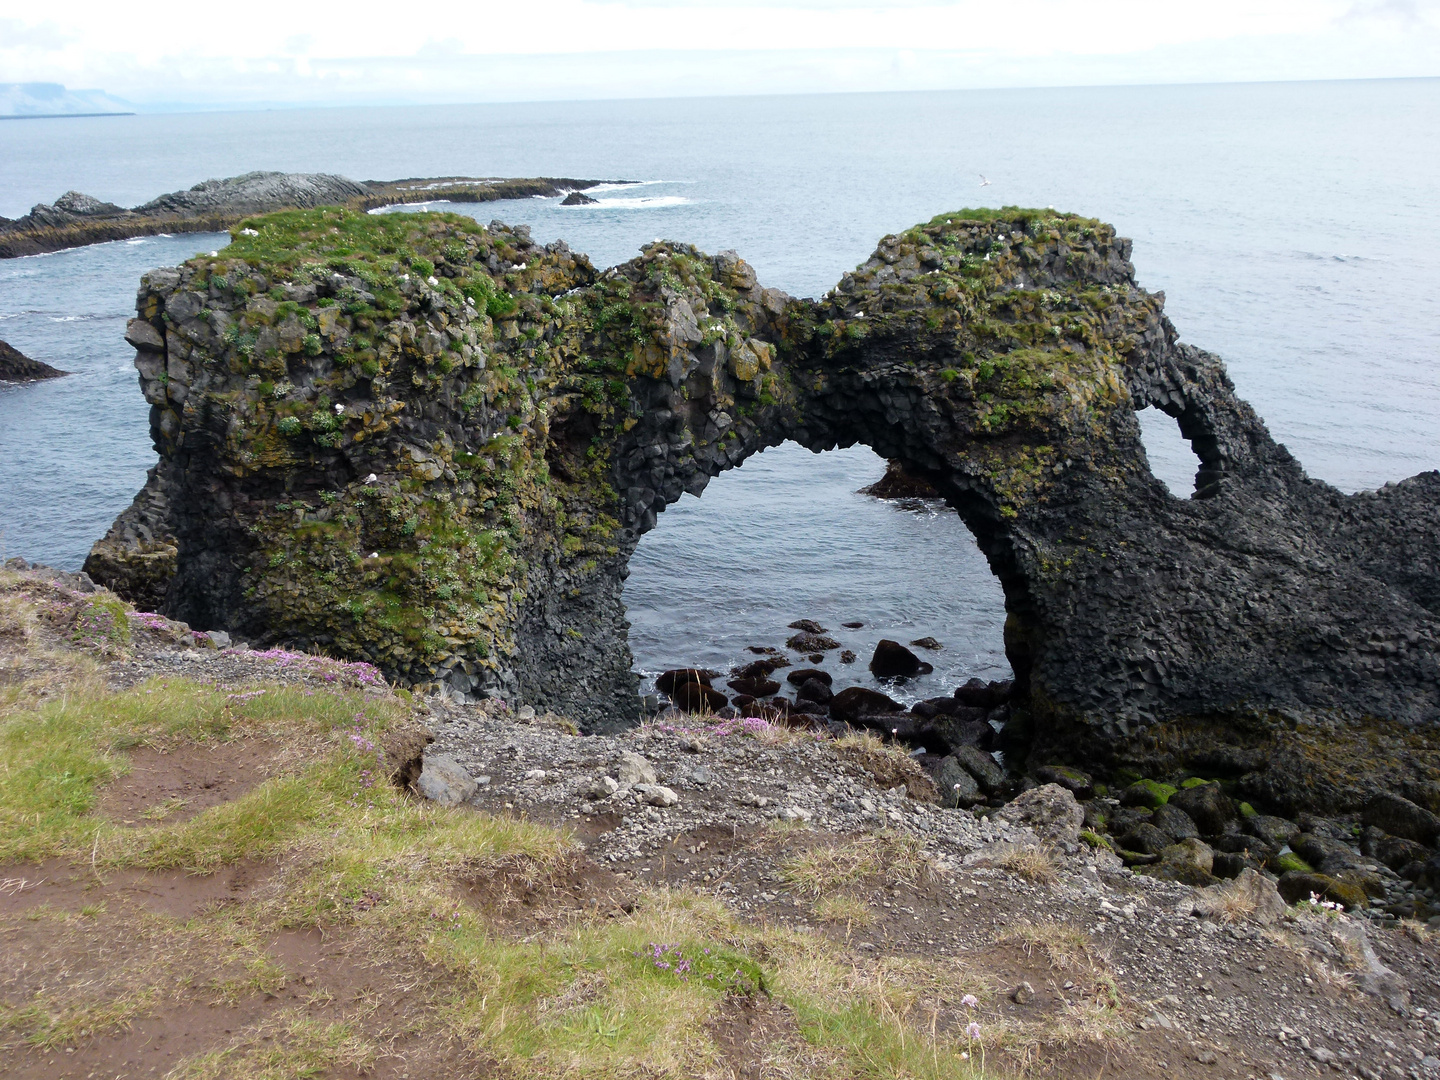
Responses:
[356,856]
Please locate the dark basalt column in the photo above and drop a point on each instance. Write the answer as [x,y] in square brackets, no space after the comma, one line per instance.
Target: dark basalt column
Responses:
[1269,629]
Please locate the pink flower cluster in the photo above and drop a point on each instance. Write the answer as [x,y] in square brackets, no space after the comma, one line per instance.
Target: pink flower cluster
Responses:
[328,669]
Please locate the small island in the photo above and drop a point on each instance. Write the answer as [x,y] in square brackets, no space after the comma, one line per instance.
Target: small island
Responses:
[76,219]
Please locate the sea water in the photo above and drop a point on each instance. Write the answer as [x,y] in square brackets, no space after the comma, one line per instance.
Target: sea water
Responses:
[1295,229]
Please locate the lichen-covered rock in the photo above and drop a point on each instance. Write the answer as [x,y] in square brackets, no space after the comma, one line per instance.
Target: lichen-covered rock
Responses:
[1049,810]
[434,446]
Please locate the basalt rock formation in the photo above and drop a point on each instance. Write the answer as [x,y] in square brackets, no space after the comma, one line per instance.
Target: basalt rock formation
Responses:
[434,446]
[76,219]
[15,366]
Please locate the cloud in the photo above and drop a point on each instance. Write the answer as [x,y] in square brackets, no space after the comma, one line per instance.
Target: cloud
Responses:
[45,36]
[487,50]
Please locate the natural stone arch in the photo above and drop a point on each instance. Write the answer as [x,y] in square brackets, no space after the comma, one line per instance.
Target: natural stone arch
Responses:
[525,418]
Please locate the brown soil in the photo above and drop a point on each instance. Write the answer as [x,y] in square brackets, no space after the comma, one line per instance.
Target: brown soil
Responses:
[175,784]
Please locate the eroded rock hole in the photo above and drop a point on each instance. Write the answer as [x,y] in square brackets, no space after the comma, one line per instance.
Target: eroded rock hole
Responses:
[1172,460]
[788,538]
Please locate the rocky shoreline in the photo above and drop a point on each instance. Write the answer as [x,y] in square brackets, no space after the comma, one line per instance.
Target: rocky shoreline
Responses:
[76,219]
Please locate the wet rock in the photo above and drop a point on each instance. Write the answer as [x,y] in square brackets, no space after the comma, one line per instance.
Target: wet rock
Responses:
[897,483]
[755,687]
[814,690]
[1049,810]
[1146,839]
[982,767]
[1148,793]
[1072,780]
[1401,817]
[893,660]
[927,643]
[800,676]
[1174,822]
[812,643]
[1295,886]
[852,625]
[760,669]
[982,695]
[697,697]
[15,366]
[578,198]
[861,705]
[1210,808]
[956,786]
[667,681]
[810,626]
[635,769]
[444,780]
[847,656]
[1275,831]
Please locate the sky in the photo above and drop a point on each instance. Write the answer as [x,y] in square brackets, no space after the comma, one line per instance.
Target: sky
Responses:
[267,52]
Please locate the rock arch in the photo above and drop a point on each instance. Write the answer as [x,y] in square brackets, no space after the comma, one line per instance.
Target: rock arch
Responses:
[436,446]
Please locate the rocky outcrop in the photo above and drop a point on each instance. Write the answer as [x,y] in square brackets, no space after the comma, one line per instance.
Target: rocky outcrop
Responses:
[76,219]
[435,446]
[15,366]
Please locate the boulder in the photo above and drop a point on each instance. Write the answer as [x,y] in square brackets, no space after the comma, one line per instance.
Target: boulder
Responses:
[1072,780]
[800,676]
[897,483]
[847,656]
[1251,896]
[814,690]
[697,697]
[1146,839]
[861,705]
[1296,886]
[635,769]
[956,786]
[1400,817]
[1395,852]
[755,687]
[1210,808]
[444,780]
[982,695]
[656,794]
[927,643]
[805,642]
[893,661]
[667,681]
[1148,793]
[1174,822]
[1049,810]
[854,624]
[760,669]
[1190,862]
[981,766]
[578,198]
[810,626]
[1275,831]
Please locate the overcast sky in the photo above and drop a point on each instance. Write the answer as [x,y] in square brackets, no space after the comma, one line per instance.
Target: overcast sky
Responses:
[266,51]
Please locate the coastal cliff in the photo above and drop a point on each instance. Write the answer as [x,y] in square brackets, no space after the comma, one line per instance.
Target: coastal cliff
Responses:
[419,442]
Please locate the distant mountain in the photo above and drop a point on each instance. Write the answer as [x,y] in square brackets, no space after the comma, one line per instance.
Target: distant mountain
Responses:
[52,99]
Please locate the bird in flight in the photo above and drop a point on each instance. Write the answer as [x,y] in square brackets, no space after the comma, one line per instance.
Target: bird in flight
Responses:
[983,182]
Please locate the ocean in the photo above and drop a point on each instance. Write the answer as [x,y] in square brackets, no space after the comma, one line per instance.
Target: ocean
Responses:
[1294,228]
